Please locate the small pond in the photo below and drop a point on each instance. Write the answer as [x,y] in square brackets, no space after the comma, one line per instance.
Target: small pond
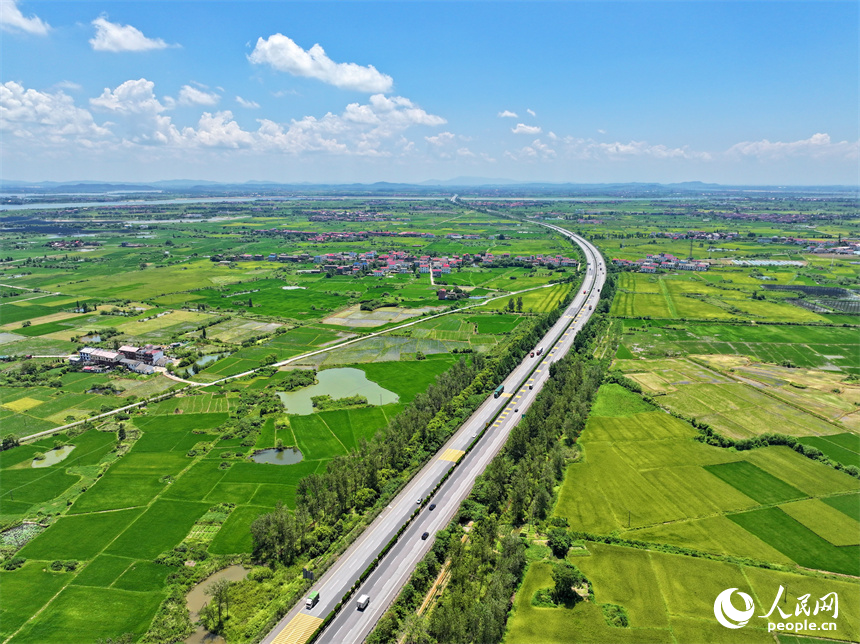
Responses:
[197,598]
[337,383]
[202,362]
[54,456]
[288,456]
[91,338]
[212,357]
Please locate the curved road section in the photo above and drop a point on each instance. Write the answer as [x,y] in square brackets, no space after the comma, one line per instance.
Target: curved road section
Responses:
[497,416]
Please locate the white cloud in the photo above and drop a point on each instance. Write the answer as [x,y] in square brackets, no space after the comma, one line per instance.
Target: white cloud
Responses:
[522,128]
[139,118]
[360,129]
[131,97]
[465,152]
[251,105]
[11,19]
[192,96]
[440,139]
[817,146]
[39,117]
[537,150]
[531,112]
[507,114]
[601,131]
[219,130]
[111,36]
[590,149]
[285,55]
[69,85]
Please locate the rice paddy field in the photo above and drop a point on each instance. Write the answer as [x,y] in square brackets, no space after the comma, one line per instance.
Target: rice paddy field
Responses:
[678,604]
[742,400]
[831,348]
[644,476]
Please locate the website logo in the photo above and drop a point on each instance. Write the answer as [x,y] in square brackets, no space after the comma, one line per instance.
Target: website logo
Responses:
[728,615]
[731,617]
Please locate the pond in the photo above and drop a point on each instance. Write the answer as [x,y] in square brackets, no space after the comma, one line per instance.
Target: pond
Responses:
[288,456]
[202,362]
[197,598]
[212,357]
[91,338]
[54,456]
[337,383]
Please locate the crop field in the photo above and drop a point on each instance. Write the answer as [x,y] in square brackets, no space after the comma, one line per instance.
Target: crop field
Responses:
[674,609]
[644,475]
[842,448]
[690,296]
[494,324]
[237,330]
[812,347]
[538,301]
[793,539]
[763,398]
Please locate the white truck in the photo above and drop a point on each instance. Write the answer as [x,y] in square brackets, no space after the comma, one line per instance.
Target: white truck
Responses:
[363,601]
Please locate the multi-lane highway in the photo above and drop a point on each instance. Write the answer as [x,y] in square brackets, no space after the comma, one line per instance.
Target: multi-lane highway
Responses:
[495,418]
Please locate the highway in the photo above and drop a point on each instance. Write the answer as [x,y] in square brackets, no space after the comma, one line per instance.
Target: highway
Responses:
[498,416]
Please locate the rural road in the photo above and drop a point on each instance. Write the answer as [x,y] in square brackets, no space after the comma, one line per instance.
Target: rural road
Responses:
[498,416]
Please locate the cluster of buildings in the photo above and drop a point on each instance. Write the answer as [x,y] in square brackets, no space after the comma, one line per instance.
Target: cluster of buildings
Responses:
[346,215]
[141,360]
[697,234]
[72,243]
[398,261]
[665,261]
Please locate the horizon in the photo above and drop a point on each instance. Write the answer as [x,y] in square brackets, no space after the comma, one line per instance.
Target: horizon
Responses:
[558,93]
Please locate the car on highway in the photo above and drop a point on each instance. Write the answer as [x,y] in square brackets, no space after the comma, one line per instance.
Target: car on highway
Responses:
[432,506]
[424,536]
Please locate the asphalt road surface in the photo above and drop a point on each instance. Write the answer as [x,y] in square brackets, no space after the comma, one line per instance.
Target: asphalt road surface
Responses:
[498,416]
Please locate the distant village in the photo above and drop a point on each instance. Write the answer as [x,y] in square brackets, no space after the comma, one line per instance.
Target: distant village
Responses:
[381,264]
[666,261]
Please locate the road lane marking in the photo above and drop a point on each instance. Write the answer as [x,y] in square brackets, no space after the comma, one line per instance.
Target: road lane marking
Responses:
[452,455]
[505,395]
[298,630]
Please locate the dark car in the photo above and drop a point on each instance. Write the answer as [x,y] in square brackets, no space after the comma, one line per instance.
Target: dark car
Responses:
[432,506]
[424,536]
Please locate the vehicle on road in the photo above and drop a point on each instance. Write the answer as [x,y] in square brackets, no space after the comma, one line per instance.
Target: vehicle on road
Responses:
[420,498]
[531,386]
[517,410]
[533,354]
[363,601]
[312,600]
[589,307]
[499,390]
[432,506]
[424,536]
[540,351]
[584,292]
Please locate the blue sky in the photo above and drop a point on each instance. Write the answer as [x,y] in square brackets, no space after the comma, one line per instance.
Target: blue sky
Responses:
[729,92]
